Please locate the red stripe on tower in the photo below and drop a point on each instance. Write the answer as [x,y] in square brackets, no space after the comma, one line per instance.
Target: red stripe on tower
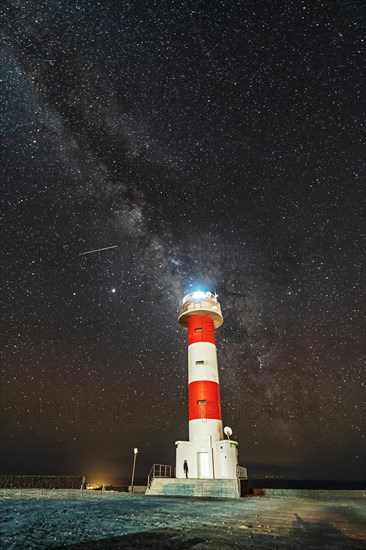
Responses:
[204,400]
[201,329]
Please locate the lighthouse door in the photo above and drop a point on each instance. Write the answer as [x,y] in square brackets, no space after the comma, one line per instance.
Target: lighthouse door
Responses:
[203,465]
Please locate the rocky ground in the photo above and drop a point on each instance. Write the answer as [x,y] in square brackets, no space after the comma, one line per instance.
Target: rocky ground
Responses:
[35,518]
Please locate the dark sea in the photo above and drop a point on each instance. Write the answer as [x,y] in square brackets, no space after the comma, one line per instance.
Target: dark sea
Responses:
[305,484]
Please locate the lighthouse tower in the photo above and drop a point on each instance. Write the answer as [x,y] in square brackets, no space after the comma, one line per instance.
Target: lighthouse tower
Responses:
[207,455]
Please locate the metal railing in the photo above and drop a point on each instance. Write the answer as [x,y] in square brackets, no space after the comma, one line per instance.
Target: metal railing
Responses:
[241,472]
[160,470]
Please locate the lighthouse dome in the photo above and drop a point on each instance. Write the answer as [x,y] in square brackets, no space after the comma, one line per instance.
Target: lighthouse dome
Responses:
[200,303]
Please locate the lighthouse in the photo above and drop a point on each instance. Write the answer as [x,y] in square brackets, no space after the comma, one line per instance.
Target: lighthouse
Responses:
[207,455]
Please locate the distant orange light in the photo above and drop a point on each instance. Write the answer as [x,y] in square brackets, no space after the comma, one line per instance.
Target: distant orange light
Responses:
[94,486]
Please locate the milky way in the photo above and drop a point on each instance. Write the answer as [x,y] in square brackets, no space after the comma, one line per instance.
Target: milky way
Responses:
[216,146]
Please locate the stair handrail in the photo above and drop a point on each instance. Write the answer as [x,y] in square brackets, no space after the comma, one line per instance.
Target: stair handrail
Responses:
[241,472]
[160,470]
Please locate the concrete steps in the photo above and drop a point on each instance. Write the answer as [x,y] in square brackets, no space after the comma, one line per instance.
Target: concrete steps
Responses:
[203,488]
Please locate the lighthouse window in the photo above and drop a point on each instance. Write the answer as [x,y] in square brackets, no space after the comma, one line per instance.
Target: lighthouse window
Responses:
[200,362]
[201,402]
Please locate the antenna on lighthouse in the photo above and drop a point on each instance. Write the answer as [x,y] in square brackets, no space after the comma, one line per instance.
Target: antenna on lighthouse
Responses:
[228,431]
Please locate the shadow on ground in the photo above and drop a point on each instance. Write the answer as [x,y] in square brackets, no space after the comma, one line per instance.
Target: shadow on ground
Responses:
[157,538]
[303,535]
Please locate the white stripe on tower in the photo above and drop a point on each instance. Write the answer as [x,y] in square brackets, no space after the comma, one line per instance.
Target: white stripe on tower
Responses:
[202,362]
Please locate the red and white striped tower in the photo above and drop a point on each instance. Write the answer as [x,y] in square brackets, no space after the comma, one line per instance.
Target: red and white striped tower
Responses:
[206,453]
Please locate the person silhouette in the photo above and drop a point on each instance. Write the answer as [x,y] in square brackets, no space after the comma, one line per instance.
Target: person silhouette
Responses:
[185,468]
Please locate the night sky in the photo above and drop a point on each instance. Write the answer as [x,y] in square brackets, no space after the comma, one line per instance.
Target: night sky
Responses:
[217,145]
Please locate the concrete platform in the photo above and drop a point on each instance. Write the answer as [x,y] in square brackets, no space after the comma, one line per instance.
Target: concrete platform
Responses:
[137,489]
[201,488]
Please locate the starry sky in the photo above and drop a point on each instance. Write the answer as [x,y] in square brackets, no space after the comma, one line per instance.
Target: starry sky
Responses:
[216,146]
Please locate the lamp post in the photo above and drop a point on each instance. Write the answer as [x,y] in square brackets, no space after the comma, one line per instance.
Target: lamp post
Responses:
[135,451]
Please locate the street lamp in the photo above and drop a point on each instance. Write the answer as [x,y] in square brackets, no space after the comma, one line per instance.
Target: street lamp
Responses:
[135,451]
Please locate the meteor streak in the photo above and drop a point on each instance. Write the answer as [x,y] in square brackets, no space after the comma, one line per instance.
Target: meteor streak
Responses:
[97,250]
